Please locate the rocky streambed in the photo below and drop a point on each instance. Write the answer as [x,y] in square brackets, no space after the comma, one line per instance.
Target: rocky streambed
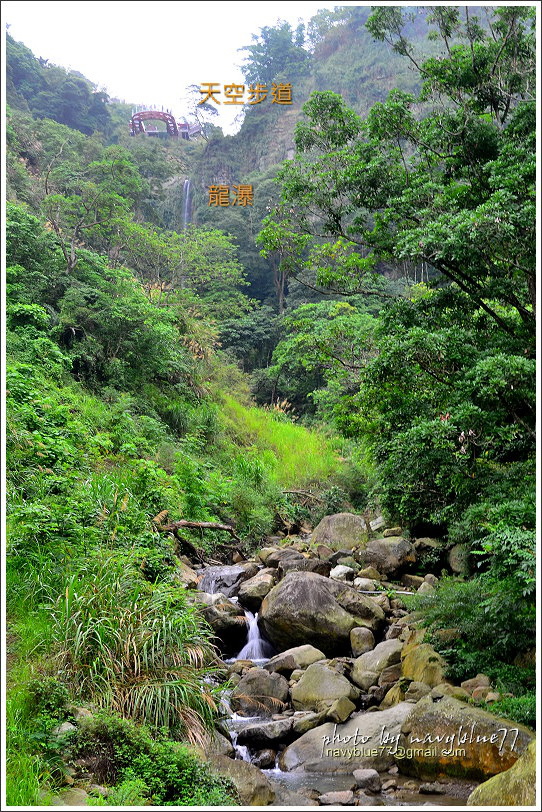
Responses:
[335,698]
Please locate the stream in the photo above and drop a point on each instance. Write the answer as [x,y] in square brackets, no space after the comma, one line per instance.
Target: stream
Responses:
[403,791]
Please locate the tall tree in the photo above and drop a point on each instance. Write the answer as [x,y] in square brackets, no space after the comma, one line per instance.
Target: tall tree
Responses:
[453,189]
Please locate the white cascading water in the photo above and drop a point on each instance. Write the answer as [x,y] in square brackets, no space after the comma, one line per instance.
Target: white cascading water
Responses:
[254,647]
[240,750]
[186,203]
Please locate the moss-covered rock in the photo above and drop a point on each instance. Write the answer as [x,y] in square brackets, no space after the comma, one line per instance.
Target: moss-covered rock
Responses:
[446,737]
[321,686]
[251,784]
[341,531]
[513,787]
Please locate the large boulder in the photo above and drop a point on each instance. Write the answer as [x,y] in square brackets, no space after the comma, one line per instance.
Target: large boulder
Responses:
[305,607]
[366,740]
[304,565]
[262,732]
[260,693]
[513,787]
[320,686]
[420,661]
[253,788]
[374,662]
[253,590]
[388,555]
[298,657]
[227,620]
[342,530]
[283,554]
[446,737]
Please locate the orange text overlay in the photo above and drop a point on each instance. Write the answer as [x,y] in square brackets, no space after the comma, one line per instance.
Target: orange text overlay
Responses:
[243,195]
[235,94]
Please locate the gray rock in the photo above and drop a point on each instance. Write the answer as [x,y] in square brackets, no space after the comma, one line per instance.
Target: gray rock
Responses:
[416,691]
[458,559]
[358,742]
[285,797]
[320,686]
[63,729]
[377,523]
[293,658]
[433,788]
[263,732]
[304,565]
[260,693]
[392,531]
[265,552]
[253,787]
[264,759]
[364,584]
[412,581]
[225,579]
[308,721]
[341,798]
[479,681]
[390,675]
[253,590]
[361,640]
[384,654]
[366,679]
[340,710]
[75,796]
[431,579]
[368,779]
[425,588]
[370,572]
[306,604]
[219,745]
[342,573]
[388,555]
[283,554]
[341,530]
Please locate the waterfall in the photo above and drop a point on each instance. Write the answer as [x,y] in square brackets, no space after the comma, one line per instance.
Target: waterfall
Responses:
[241,751]
[186,203]
[254,649]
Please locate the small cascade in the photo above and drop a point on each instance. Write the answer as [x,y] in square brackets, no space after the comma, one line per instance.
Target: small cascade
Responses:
[186,203]
[241,752]
[255,647]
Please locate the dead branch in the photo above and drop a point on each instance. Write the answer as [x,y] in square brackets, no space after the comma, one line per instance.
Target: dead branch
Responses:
[170,528]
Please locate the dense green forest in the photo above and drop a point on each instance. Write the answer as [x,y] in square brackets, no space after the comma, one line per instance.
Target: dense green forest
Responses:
[362,338]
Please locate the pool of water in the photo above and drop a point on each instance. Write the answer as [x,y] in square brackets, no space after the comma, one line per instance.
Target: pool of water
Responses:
[299,780]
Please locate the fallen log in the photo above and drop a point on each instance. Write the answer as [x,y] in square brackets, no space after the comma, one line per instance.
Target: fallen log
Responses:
[199,526]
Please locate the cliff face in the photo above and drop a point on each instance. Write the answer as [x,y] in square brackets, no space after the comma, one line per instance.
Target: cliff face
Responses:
[346,60]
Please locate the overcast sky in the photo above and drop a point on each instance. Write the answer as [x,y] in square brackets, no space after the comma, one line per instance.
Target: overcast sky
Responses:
[147,53]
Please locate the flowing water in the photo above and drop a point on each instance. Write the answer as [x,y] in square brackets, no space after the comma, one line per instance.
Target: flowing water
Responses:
[186,203]
[258,650]
[255,649]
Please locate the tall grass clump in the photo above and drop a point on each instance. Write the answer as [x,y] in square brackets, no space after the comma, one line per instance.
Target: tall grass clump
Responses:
[135,648]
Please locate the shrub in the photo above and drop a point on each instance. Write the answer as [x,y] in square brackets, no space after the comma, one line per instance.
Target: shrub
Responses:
[138,649]
[125,754]
[494,623]
[520,709]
